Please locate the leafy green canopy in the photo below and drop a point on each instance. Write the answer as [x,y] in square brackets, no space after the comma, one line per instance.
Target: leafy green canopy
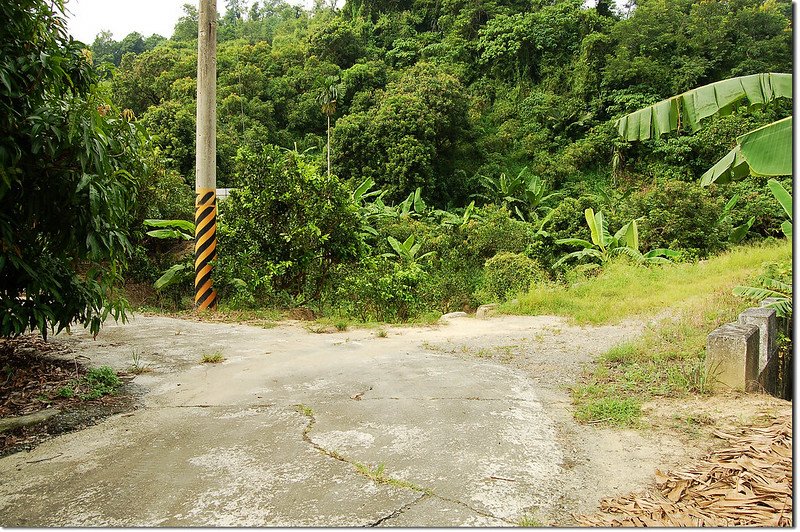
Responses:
[66,187]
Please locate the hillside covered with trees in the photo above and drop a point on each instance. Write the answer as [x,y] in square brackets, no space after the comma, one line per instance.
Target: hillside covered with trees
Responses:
[468,141]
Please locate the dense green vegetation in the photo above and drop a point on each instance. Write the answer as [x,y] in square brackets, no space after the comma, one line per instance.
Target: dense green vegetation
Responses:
[482,131]
[467,142]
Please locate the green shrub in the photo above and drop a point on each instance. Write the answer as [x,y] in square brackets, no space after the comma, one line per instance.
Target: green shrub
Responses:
[755,199]
[506,274]
[493,232]
[379,289]
[680,216]
[283,228]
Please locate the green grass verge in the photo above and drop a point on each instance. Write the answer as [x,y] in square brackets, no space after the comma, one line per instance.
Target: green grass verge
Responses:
[668,360]
[624,290]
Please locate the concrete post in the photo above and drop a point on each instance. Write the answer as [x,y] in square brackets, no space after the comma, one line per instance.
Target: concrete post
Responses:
[782,323]
[732,356]
[764,319]
[206,157]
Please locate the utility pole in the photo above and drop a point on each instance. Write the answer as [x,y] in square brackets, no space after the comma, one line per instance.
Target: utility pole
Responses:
[205,218]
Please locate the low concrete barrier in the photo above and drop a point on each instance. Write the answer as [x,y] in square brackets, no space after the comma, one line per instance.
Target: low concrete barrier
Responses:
[744,355]
[732,356]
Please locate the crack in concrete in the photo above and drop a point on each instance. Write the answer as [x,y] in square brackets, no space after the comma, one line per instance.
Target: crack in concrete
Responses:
[442,399]
[398,512]
[378,477]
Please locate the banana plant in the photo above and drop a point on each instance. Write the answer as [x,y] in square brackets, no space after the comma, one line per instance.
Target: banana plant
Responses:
[739,232]
[785,199]
[523,195]
[406,251]
[765,151]
[173,229]
[604,247]
[780,291]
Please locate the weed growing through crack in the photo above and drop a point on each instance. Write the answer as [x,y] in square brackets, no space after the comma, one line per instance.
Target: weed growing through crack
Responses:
[213,358]
[529,521]
[137,367]
[378,474]
[305,410]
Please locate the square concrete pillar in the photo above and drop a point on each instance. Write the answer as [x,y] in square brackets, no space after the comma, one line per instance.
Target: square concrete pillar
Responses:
[764,319]
[732,356]
[783,323]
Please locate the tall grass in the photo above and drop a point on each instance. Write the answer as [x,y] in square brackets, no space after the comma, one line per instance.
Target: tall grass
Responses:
[624,290]
[668,359]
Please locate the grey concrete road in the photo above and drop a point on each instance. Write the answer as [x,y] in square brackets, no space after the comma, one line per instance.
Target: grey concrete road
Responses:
[301,429]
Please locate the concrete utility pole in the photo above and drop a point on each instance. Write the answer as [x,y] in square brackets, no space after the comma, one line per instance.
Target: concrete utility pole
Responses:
[205,244]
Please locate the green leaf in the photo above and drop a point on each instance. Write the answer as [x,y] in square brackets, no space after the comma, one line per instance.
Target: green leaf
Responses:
[169,233]
[686,110]
[171,276]
[396,245]
[783,197]
[738,233]
[593,229]
[763,151]
[574,242]
[177,224]
[786,227]
[362,189]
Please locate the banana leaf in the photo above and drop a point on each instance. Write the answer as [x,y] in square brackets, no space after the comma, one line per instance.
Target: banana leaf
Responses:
[738,233]
[764,151]
[179,224]
[783,197]
[686,110]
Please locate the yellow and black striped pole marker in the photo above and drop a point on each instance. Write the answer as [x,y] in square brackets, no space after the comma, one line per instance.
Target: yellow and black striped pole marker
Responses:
[205,217]
[205,248]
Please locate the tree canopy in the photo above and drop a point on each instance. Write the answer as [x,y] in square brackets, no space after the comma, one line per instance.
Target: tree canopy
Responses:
[68,163]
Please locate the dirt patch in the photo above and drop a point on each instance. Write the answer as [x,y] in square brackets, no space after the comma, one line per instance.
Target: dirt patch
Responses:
[748,483]
[35,374]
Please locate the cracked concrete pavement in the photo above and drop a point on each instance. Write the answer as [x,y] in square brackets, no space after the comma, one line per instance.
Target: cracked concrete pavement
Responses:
[303,429]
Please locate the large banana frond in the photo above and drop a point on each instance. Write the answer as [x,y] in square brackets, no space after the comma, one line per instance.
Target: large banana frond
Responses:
[763,151]
[686,110]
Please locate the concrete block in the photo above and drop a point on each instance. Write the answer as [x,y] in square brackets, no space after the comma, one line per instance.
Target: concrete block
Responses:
[484,311]
[732,356]
[765,320]
[782,323]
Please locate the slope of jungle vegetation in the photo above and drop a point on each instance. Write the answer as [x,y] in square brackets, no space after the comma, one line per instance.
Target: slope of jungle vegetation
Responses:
[472,151]
[467,140]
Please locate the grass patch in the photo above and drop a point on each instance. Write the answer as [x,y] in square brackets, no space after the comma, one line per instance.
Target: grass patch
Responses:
[381,333]
[212,358]
[529,521]
[624,290]
[668,360]
[617,412]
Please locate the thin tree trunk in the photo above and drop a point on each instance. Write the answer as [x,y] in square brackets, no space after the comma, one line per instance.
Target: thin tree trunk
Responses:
[329,145]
